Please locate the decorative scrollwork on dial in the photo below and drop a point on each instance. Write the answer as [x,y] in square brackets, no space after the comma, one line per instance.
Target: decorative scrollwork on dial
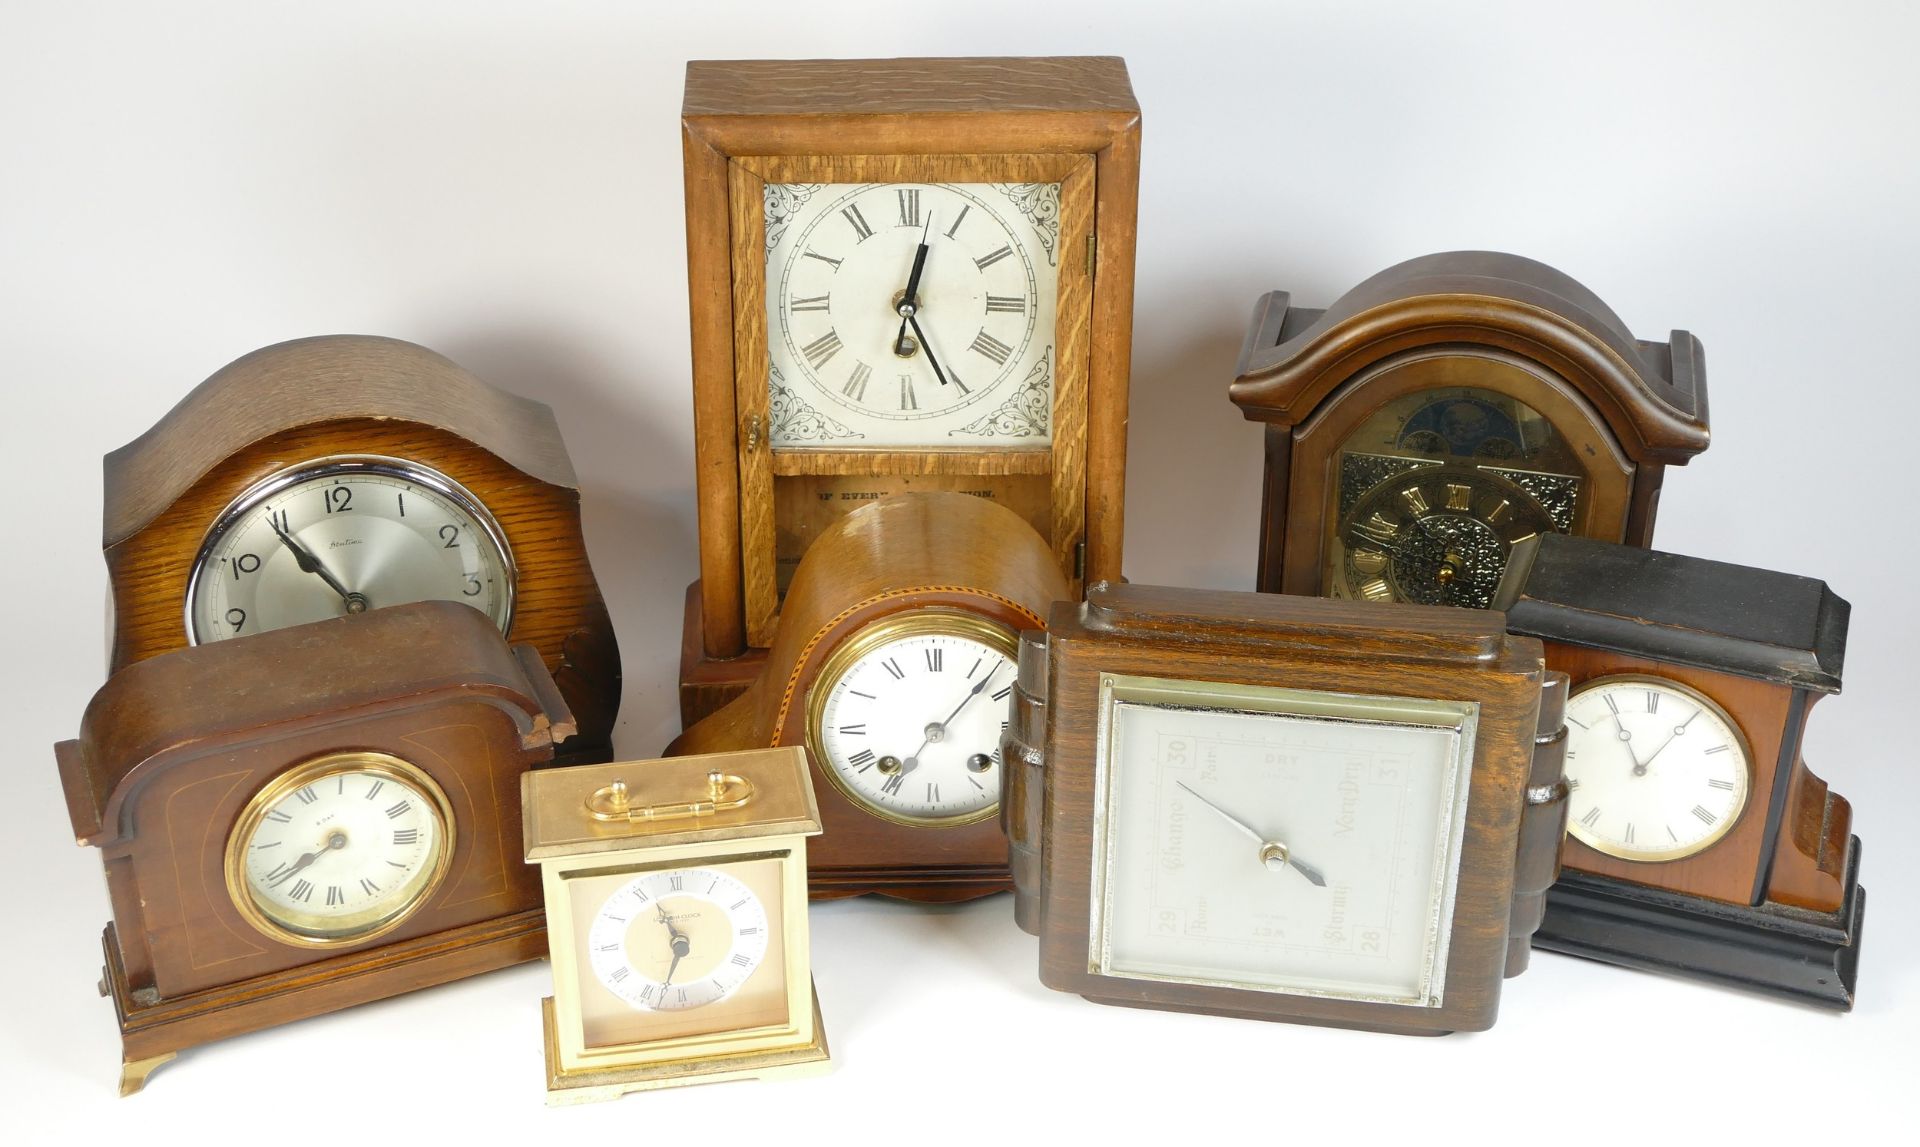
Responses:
[1025,412]
[1040,203]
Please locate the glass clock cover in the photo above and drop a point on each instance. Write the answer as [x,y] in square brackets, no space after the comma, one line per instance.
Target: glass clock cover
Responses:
[680,950]
[1658,771]
[1278,840]
[1435,489]
[340,849]
[344,535]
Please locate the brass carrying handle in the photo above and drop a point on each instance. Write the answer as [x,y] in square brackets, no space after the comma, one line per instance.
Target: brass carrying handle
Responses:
[724,792]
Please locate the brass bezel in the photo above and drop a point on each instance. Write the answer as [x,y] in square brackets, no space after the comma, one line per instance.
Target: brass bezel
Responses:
[1740,741]
[304,773]
[939,620]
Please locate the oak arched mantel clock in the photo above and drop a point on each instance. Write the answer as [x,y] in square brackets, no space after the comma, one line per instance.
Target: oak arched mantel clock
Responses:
[1447,409]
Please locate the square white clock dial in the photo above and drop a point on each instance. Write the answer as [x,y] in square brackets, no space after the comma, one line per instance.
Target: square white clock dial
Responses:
[1278,840]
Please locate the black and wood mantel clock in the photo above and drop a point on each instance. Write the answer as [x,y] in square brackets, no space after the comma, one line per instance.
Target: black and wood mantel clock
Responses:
[1699,843]
[1448,408]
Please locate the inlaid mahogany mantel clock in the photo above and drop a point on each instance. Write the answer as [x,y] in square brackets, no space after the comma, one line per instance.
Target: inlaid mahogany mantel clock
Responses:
[1445,410]
[342,827]
[911,274]
[1698,843]
[1283,807]
[328,476]
[893,665]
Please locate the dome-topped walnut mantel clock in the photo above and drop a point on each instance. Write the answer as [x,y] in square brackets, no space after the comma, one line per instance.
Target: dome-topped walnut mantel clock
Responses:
[329,476]
[1446,410]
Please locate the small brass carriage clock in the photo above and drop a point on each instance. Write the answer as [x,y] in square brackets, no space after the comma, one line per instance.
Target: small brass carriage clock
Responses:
[676,895]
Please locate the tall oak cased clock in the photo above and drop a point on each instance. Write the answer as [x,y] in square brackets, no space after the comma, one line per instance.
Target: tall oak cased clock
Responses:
[311,818]
[1698,841]
[1283,808]
[893,666]
[1447,409]
[328,476]
[905,275]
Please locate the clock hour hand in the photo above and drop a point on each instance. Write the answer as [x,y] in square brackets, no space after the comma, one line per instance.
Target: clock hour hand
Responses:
[676,940]
[1273,853]
[334,840]
[303,557]
[910,298]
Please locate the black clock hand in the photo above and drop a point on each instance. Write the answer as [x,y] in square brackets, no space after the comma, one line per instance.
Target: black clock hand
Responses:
[940,727]
[303,557]
[335,840]
[928,347]
[676,940]
[910,298]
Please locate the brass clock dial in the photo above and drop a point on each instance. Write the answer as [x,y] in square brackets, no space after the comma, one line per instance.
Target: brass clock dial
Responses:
[344,535]
[339,849]
[678,939]
[1435,535]
[1658,771]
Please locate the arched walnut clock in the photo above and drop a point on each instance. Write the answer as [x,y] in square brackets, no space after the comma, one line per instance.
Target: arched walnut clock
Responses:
[329,476]
[1446,410]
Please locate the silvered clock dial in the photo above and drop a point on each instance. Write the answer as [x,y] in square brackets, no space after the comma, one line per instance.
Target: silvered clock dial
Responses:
[344,535]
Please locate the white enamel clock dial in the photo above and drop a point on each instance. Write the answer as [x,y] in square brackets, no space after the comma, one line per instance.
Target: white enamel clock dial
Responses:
[342,536]
[911,728]
[677,939]
[337,853]
[849,371]
[1657,770]
[1309,852]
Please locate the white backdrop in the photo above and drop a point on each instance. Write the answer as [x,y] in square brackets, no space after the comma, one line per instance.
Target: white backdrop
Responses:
[182,183]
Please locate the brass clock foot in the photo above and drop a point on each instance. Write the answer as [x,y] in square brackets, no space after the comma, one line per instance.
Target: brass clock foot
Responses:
[134,1072]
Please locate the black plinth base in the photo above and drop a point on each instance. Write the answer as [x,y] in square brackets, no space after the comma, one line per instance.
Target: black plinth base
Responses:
[1807,957]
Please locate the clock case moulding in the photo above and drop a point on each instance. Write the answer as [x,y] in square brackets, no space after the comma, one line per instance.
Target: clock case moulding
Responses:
[1775,906]
[1072,120]
[312,398]
[905,554]
[1510,855]
[170,753]
[1630,407]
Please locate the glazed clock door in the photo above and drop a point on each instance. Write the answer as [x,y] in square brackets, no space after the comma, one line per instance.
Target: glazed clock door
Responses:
[1428,493]
[921,326]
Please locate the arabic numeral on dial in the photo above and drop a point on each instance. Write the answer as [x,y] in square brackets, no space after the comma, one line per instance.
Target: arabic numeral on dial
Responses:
[472,588]
[244,564]
[450,534]
[237,618]
[337,499]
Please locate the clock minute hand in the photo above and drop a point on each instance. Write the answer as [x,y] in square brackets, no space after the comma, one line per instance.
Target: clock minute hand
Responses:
[910,298]
[308,563]
[928,347]
[1272,852]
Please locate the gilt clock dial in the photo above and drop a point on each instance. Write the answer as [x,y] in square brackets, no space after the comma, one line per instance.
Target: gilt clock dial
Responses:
[1657,770]
[1436,489]
[345,535]
[911,314]
[910,717]
[678,939]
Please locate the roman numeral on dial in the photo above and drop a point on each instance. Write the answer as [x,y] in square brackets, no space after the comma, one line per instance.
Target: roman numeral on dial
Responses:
[856,387]
[959,219]
[822,349]
[909,206]
[1007,304]
[859,222]
[809,303]
[907,399]
[991,347]
[992,257]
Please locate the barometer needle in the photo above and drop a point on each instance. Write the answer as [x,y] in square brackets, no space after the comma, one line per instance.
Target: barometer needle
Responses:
[1272,852]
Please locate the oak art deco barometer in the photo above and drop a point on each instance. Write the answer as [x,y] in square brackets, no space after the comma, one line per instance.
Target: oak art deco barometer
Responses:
[1698,841]
[905,275]
[676,896]
[338,831]
[329,476]
[1282,807]
[893,665]
[1447,409]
